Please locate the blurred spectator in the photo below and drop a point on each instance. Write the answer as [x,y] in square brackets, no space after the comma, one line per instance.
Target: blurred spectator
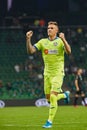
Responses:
[79,30]
[17,68]
[42,22]
[1,87]
[16,22]
[36,22]
[1,84]
[8,86]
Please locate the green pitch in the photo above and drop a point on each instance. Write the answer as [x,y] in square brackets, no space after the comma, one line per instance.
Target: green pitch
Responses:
[32,118]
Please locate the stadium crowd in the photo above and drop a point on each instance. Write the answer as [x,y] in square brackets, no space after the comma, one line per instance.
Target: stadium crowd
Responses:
[21,75]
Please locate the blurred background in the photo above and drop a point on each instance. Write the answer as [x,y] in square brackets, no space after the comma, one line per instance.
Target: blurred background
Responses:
[67,12]
[21,74]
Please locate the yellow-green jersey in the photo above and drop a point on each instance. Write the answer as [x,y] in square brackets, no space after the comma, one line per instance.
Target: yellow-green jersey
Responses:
[53,55]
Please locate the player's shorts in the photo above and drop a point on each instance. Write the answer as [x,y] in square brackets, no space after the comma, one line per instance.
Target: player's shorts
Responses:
[80,92]
[53,83]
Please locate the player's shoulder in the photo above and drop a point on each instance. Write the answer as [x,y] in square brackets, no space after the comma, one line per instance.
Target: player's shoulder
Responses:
[60,42]
[43,40]
[59,39]
[77,77]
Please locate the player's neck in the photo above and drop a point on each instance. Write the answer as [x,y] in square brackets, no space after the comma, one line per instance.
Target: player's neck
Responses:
[51,38]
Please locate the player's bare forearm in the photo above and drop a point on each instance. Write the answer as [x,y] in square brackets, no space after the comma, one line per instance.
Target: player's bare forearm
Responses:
[67,46]
[30,49]
[76,85]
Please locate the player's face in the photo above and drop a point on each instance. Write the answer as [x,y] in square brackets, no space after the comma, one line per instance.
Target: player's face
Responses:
[52,30]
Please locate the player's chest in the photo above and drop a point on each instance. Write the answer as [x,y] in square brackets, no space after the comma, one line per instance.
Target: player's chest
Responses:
[51,45]
[51,48]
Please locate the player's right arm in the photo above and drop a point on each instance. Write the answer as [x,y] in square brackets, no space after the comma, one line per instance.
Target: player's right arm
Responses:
[30,48]
[76,84]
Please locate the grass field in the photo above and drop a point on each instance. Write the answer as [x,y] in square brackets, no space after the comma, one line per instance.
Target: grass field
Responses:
[32,118]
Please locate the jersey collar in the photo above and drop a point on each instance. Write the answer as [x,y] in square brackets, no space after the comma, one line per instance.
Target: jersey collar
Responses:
[53,39]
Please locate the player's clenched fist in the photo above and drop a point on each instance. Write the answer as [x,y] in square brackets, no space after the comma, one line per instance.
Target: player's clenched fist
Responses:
[61,35]
[29,34]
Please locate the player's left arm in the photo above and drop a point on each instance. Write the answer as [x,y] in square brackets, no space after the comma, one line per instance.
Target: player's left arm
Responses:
[66,44]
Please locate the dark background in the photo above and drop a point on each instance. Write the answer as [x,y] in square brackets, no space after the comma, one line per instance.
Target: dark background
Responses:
[67,11]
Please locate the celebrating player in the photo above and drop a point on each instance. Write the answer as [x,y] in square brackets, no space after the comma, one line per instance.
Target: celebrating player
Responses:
[53,49]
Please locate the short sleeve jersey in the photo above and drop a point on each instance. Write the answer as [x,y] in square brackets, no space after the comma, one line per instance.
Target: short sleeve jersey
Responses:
[53,55]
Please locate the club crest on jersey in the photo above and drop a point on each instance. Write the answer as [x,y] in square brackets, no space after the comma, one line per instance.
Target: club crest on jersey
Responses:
[46,51]
[55,43]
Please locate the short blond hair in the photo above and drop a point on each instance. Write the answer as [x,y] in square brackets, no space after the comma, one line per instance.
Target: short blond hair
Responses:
[53,22]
